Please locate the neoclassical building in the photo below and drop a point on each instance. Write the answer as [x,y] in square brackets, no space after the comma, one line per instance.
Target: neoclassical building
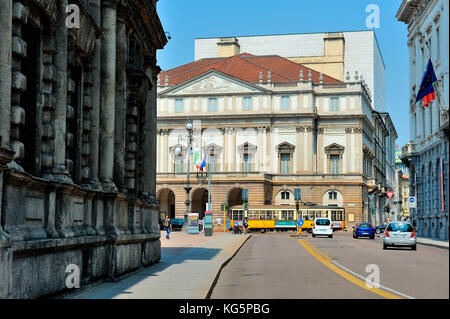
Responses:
[269,125]
[427,153]
[77,142]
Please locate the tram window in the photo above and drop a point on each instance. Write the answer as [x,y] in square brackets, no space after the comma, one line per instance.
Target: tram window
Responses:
[251,215]
[291,215]
[336,215]
[310,215]
[321,214]
[284,215]
[268,215]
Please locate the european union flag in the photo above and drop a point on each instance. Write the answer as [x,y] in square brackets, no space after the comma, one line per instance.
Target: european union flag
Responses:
[426,91]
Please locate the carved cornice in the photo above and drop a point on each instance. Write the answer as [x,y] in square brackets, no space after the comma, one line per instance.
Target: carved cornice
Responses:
[304,129]
[49,8]
[84,37]
[353,130]
[145,21]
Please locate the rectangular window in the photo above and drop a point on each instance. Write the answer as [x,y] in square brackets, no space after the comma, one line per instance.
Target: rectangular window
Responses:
[285,166]
[212,164]
[179,164]
[291,215]
[285,103]
[212,107]
[334,164]
[247,163]
[179,105]
[334,104]
[247,103]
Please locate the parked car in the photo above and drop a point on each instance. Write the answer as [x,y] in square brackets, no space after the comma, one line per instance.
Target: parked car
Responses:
[399,234]
[322,226]
[380,229]
[363,230]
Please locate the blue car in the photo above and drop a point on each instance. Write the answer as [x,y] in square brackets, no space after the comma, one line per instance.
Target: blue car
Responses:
[363,230]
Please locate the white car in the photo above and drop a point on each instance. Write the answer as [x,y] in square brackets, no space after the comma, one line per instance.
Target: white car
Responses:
[322,226]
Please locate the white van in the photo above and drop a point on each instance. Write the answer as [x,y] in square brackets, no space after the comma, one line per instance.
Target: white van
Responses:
[322,226]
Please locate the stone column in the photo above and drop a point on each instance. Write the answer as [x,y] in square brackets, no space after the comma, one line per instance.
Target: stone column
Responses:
[150,135]
[165,151]
[264,150]
[234,151]
[94,136]
[59,120]
[5,71]
[6,252]
[108,94]
[121,104]
[299,149]
[224,151]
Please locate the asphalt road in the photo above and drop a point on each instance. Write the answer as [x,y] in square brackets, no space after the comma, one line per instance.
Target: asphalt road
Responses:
[278,265]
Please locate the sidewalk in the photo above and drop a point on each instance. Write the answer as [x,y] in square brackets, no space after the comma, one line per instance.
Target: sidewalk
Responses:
[431,242]
[188,268]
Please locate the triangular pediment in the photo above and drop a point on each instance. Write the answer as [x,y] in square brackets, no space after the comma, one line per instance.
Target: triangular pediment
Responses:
[334,147]
[212,83]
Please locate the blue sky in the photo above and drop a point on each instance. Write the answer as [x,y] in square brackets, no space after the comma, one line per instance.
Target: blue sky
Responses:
[187,20]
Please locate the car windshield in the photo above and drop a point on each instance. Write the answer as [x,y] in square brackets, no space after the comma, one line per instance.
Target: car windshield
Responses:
[322,222]
[364,226]
[405,227]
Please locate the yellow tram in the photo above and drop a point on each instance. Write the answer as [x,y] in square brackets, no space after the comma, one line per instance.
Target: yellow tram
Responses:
[284,217]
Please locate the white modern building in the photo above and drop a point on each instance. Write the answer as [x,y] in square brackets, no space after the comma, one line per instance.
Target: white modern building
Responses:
[427,153]
[337,54]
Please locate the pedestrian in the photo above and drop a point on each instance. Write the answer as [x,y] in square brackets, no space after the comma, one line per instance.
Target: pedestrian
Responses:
[245,222]
[168,227]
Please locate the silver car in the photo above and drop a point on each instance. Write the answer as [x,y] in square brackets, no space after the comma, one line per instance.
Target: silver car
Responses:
[399,234]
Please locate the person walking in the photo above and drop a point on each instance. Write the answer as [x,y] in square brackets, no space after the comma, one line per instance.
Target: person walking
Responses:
[200,225]
[168,227]
[245,222]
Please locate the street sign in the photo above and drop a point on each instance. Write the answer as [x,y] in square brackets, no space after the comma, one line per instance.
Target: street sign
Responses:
[300,222]
[412,201]
[390,194]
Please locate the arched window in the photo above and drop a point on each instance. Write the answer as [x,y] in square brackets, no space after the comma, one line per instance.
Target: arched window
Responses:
[332,197]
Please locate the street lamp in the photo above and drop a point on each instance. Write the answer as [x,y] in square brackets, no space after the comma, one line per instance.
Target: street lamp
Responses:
[188,138]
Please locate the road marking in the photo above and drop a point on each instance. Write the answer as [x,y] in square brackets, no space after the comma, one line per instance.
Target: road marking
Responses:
[350,275]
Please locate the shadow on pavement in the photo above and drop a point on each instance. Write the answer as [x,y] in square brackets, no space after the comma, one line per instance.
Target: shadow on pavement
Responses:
[160,272]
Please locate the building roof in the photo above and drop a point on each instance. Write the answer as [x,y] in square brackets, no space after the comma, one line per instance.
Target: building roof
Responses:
[246,67]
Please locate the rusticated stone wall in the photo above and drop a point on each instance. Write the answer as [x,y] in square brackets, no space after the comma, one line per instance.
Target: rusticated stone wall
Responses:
[77,167]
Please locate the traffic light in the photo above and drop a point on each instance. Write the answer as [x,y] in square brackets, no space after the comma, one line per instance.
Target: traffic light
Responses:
[388,208]
[297,205]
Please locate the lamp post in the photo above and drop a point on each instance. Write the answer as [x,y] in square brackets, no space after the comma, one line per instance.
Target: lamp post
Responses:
[188,138]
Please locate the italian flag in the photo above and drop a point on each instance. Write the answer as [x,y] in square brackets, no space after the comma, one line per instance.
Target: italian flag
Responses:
[198,162]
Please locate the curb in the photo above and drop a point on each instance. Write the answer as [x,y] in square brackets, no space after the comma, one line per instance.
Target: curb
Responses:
[434,245]
[208,295]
